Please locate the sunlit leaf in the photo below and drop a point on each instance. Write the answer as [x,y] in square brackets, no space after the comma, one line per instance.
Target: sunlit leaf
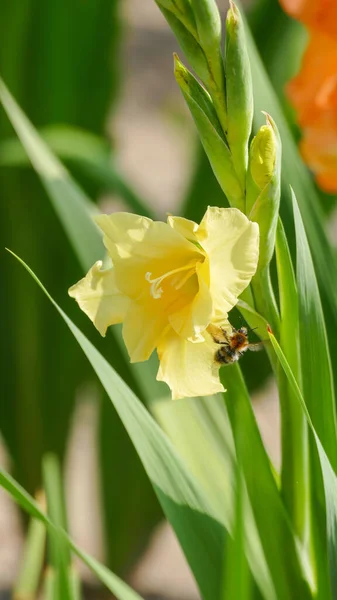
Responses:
[196,522]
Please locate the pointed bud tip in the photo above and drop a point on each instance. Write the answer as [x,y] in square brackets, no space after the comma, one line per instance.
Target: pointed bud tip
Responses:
[178,65]
[269,121]
[233,7]
[180,71]
[233,13]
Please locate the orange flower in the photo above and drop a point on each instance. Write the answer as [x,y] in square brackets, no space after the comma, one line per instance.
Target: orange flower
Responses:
[319,149]
[310,90]
[313,92]
[316,14]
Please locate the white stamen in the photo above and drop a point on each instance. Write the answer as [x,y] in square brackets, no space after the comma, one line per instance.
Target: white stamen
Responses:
[156,291]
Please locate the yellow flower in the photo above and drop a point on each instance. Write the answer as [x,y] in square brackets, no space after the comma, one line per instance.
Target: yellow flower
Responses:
[169,282]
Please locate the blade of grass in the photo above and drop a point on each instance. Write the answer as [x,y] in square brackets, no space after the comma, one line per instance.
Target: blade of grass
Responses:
[191,514]
[120,589]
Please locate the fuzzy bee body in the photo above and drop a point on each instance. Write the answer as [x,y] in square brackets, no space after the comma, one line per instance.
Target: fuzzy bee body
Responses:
[232,345]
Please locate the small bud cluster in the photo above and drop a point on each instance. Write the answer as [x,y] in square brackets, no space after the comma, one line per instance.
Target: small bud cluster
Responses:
[220,100]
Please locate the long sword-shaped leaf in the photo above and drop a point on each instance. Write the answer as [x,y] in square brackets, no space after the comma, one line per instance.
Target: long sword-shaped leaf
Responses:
[273,524]
[295,451]
[208,421]
[329,476]
[120,589]
[237,581]
[317,379]
[75,214]
[192,516]
[59,554]
[27,582]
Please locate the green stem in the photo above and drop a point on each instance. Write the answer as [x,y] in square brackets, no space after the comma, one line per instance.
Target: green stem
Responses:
[266,306]
[265,301]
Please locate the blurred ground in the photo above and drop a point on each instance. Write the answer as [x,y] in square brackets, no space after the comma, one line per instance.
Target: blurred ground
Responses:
[154,137]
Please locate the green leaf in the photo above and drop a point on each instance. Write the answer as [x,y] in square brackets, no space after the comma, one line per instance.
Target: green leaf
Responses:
[50,584]
[194,519]
[295,451]
[120,589]
[51,82]
[75,212]
[237,581]
[328,474]
[317,380]
[206,419]
[88,153]
[59,556]
[73,208]
[27,582]
[283,555]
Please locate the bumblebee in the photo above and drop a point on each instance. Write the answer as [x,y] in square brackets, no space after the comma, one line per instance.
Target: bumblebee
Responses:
[232,344]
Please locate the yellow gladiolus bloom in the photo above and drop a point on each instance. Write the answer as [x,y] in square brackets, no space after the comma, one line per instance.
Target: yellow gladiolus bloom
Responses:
[169,282]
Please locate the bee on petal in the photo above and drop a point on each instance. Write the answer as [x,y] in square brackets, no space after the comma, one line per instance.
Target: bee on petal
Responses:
[166,284]
[233,343]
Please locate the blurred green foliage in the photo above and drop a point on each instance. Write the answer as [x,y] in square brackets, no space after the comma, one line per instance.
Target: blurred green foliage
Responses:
[61,62]
[49,57]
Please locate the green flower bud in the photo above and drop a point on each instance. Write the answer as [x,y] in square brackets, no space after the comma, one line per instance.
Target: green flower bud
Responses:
[211,134]
[239,92]
[197,27]
[208,24]
[264,186]
[182,10]
[189,45]
[263,153]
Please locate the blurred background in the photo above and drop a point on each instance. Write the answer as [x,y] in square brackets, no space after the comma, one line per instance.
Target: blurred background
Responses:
[96,79]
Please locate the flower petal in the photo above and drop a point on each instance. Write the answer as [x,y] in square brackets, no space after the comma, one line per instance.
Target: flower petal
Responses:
[185,227]
[99,297]
[143,327]
[188,368]
[232,244]
[138,245]
[193,318]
